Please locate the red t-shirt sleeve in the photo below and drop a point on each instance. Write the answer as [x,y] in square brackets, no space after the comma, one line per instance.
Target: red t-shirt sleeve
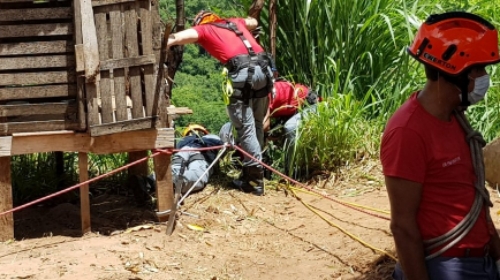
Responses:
[403,155]
[239,20]
[200,29]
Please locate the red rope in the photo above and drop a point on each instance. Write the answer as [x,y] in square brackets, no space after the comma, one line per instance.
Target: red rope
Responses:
[308,188]
[157,152]
[79,185]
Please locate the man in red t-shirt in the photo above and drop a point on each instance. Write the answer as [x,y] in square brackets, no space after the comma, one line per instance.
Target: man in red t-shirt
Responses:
[285,102]
[230,42]
[439,204]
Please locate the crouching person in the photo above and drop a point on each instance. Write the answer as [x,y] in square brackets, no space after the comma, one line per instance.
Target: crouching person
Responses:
[189,165]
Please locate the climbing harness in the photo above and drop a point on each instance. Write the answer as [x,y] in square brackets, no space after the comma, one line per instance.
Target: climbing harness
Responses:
[227,86]
[250,61]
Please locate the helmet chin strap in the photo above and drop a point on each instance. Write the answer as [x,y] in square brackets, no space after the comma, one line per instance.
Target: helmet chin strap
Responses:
[462,83]
[465,95]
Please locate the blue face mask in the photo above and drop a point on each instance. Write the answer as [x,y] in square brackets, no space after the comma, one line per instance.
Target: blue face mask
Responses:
[481,85]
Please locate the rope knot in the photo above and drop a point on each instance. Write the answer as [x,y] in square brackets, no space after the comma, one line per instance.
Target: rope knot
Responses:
[476,135]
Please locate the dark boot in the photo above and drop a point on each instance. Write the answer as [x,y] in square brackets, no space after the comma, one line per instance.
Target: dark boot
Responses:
[256,179]
[251,181]
[242,182]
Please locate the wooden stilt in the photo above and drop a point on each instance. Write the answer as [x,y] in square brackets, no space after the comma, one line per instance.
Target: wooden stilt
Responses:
[141,168]
[164,187]
[84,192]
[6,221]
[59,158]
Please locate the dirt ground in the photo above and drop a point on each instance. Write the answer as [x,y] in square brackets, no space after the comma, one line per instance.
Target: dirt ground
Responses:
[234,236]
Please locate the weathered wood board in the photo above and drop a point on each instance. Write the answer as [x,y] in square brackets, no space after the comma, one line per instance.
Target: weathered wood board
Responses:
[38,88]
[128,66]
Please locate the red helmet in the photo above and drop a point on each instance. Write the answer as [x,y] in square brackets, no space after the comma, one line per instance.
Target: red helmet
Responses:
[205,17]
[453,42]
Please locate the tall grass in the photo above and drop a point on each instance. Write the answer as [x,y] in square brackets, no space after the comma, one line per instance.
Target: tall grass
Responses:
[354,52]
[34,175]
[365,37]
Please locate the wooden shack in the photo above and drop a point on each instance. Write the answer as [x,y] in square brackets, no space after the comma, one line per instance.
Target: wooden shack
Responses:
[81,76]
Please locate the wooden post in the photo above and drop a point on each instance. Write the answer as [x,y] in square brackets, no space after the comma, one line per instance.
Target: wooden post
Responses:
[273,21]
[141,168]
[164,186]
[255,9]
[80,79]
[90,45]
[84,192]
[59,159]
[6,221]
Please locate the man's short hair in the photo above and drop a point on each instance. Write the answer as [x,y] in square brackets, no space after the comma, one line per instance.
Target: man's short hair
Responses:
[431,73]
[312,97]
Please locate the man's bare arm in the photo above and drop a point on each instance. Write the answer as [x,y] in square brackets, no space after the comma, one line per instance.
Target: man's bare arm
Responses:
[404,197]
[183,37]
[267,121]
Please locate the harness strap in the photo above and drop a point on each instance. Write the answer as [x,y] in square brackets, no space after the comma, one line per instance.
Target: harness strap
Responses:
[184,163]
[232,26]
[247,93]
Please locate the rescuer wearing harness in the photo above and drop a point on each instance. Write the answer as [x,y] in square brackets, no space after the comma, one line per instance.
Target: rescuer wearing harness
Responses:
[286,103]
[250,76]
[287,106]
[195,163]
[432,159]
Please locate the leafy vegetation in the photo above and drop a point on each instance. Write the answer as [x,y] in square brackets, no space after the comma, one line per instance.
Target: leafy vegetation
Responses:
[352,52]
[358,61]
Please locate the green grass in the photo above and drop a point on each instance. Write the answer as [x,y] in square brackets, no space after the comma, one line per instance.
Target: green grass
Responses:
[353,52]
[34,175]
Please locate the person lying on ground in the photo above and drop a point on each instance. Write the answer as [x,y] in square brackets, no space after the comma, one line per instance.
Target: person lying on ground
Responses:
[194,163]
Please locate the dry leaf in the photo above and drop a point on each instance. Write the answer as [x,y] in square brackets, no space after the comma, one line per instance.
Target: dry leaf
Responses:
[195,227]
[25,276]
[137,228]
[116,232]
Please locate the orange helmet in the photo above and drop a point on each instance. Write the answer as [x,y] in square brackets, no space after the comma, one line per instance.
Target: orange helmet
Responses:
[453,42]
[195,129]
[205,17]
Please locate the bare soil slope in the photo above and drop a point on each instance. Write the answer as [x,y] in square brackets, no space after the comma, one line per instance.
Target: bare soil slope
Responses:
[236,236]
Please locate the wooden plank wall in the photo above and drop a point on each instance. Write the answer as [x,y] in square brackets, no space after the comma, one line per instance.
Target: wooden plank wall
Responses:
[38,89]
[128,65]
